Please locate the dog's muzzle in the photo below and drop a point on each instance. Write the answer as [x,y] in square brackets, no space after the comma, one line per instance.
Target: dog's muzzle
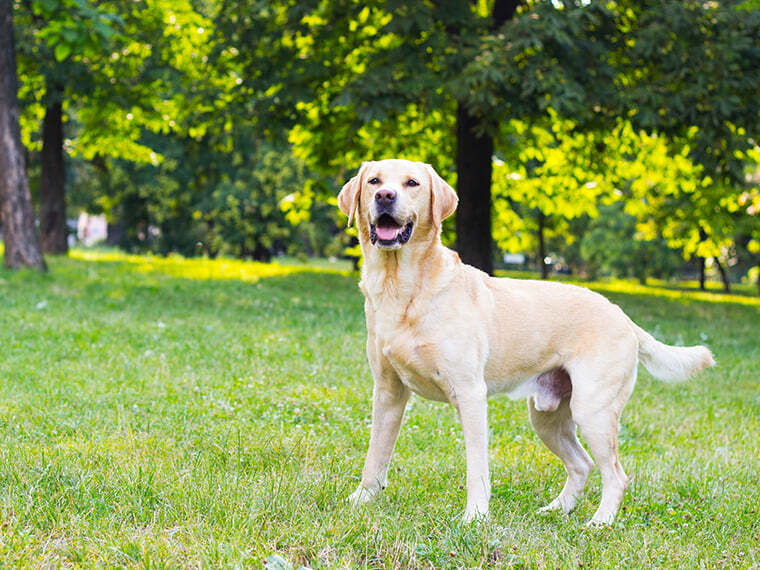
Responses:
[387,232]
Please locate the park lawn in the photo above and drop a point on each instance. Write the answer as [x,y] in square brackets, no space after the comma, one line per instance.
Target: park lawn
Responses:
[173,413]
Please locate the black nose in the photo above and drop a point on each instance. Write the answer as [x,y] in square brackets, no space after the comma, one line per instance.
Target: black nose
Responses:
[385,197]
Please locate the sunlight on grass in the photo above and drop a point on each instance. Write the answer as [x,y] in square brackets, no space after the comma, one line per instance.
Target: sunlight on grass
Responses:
[681,290]
[675,290]
[199,268]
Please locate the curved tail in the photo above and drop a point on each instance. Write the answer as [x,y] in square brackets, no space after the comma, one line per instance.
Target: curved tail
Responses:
[671,363]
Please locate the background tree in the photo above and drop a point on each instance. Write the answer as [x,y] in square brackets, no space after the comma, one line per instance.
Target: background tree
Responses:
[612,245]
[59,39]
[225,129]
[107,69]
[550,174]
[692,74]
[16,215]
[390,61]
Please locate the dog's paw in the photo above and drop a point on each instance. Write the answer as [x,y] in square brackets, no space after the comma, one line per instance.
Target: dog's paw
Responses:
[557,505]
[600,523]
[474,515]
[361,496]
[552,507]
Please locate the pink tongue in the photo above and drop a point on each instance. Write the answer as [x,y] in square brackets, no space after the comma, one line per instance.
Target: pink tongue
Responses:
[386,233]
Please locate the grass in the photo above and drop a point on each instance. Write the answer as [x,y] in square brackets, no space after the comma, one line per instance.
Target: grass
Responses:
[181,413]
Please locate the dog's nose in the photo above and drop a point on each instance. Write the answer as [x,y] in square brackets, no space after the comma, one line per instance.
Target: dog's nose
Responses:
[385,197]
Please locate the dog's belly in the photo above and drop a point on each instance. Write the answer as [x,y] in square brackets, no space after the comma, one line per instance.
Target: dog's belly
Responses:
[547,389]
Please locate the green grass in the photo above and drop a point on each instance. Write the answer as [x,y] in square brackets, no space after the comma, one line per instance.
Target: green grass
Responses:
[176,413]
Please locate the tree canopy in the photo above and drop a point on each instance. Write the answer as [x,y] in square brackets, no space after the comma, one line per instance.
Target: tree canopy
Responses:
[226,128]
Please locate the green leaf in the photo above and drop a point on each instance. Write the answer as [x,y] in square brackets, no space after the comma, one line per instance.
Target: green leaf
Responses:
[62,51]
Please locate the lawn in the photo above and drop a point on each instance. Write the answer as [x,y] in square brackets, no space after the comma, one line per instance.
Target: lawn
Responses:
[194,413]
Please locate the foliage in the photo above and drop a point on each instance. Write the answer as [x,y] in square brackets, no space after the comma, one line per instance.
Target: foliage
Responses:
[553,56]
[236,202]
[693,71]
[612,246]
[176,111]
[216,413]
[117,64]
[549,175]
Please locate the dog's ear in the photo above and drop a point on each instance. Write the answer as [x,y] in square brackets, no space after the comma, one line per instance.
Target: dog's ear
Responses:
[348,199]
[443,199]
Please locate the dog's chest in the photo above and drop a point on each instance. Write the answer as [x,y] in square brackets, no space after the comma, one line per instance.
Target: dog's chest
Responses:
[413,354]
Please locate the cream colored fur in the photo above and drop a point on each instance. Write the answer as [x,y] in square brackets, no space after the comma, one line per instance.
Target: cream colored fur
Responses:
[449,332]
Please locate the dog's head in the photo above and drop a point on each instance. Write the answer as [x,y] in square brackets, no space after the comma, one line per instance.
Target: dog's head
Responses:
[395,200]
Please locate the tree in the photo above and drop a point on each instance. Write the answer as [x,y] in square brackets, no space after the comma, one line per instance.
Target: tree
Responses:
[16,215]
[747,240]
[113,70]
[686,70]
[692,74]
[389,62]
[550,173]
[58,40]
[475,148]
[611,245]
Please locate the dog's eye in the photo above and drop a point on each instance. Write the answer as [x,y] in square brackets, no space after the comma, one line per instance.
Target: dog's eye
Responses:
[374,180]
[412,183]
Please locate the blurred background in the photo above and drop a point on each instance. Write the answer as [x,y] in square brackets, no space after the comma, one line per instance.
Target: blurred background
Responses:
[594,138]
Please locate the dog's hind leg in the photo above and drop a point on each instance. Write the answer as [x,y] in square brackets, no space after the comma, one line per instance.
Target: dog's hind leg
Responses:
[596,409]
[558,432]
[600,433]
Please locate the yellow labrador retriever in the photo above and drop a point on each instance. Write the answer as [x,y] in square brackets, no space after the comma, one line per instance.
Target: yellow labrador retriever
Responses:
[449,332]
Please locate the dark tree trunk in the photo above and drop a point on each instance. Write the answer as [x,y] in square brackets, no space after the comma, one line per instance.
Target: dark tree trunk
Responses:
[115,233]
[723,276]
[702,262]
[474,171]
[542,246]
[701,273]
[52,183]
[22,248]
[261,253]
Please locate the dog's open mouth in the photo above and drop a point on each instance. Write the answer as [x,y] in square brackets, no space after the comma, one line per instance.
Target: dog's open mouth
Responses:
[388,232]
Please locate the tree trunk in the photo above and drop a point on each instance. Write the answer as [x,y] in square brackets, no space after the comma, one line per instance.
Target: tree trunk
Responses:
[702,261]
[115,233]
[701,270]
[261,253]
[474,169]
[22,248]
[52,184]
[542,246]
[723,276]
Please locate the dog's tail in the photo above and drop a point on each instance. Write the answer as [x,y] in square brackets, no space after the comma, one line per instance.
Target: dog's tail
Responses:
[671,363]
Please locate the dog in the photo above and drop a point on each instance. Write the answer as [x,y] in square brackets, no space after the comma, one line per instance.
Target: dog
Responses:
[449,332]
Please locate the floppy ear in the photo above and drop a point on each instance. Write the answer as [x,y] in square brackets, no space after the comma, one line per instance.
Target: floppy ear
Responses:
[348,199]
[443,200]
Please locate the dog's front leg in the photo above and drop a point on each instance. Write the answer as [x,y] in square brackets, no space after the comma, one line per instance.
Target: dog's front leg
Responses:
[473,414]
[389,401]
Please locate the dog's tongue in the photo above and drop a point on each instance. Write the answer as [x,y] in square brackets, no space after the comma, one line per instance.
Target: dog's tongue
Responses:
[386,233]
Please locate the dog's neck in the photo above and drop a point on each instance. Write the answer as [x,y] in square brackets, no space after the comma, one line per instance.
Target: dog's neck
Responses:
[418,268]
